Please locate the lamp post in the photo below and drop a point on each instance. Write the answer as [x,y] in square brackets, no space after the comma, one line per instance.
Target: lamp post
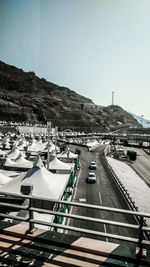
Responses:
[56,129]
[48,131]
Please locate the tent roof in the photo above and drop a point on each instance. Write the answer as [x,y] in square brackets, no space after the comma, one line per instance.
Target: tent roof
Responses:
[4,179]
[9,163]
[64,155]
[45,184]
[2,152]
[14,153]
[57,164]
[22,162]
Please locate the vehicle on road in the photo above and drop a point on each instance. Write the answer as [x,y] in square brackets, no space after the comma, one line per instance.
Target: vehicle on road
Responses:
[77,151]
[93,165]
[91,178]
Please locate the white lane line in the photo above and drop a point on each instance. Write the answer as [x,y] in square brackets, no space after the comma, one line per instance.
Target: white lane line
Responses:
[105,229]
[82,199]
[100,198]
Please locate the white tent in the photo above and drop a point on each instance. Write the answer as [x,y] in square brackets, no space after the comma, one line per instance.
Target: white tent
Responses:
[67,154]
[52,147]
[2,153]
[21,162]
[14,153]
[9,163]
[57,164]
[22,144]
[34,146]
[45,184]
[4,179]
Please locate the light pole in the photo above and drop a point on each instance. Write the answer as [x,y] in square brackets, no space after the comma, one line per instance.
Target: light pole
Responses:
[56,129]
[48,131]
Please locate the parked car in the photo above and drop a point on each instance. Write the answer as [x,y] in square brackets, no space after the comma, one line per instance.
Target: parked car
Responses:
[91,178]
[93,165]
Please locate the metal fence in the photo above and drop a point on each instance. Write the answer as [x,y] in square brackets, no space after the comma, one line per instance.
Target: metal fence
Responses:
[143,231]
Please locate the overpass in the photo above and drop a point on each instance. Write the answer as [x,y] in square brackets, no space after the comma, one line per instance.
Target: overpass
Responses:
[23,245]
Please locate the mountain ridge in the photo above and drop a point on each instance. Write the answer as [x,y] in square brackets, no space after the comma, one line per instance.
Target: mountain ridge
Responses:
[26,97]
[145,123]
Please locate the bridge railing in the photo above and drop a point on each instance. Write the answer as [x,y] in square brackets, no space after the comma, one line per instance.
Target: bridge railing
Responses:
[121,187]
[141,239]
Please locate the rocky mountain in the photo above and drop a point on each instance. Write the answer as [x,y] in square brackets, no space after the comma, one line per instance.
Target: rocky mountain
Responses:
[25,97]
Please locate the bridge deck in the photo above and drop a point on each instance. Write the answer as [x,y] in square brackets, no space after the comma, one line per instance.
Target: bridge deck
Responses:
[47,248]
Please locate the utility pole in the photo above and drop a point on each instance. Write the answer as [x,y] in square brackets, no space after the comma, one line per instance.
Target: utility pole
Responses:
[56,129]
[48,131]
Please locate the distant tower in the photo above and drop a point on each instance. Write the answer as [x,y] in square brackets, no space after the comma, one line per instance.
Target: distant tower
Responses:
[112,98]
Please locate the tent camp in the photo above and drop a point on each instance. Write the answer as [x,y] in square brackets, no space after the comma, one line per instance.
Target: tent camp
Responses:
[44,183]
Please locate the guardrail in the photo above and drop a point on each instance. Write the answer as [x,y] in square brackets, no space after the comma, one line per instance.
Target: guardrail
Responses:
[122,188]
[120,185]
[142,230]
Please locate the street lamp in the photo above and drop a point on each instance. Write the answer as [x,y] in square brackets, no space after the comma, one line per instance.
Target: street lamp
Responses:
[56,129]
[48,130]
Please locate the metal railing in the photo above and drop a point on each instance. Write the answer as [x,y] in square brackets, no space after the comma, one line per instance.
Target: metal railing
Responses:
[141,228]
[121,187]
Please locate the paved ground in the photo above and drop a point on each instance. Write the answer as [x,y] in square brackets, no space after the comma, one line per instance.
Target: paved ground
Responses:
[103,193]
[46,248]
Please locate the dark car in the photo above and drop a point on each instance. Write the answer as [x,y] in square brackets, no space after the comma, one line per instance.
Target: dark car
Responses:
[78,151]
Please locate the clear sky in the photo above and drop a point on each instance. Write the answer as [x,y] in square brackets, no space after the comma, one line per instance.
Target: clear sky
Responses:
[93,47]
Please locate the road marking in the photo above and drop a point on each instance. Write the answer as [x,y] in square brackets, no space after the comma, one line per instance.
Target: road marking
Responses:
[105,230]
[100,198]
[82,199]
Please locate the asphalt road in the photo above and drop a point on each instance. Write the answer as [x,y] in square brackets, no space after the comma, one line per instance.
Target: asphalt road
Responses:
[104,193]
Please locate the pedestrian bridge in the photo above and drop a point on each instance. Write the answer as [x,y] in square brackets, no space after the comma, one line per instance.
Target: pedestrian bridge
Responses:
[24,244]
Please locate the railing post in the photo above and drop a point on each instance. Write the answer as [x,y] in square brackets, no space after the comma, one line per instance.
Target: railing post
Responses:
[27,189]
[140,252]
[31,224]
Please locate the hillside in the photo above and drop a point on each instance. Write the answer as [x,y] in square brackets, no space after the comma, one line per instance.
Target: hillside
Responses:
[26,97]
[145,123]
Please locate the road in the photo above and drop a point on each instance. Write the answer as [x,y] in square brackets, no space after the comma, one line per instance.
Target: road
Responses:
[104,193]
[141,164]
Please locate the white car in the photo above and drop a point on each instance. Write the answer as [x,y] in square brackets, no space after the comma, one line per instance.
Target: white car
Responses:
[91,178]
[93,165]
